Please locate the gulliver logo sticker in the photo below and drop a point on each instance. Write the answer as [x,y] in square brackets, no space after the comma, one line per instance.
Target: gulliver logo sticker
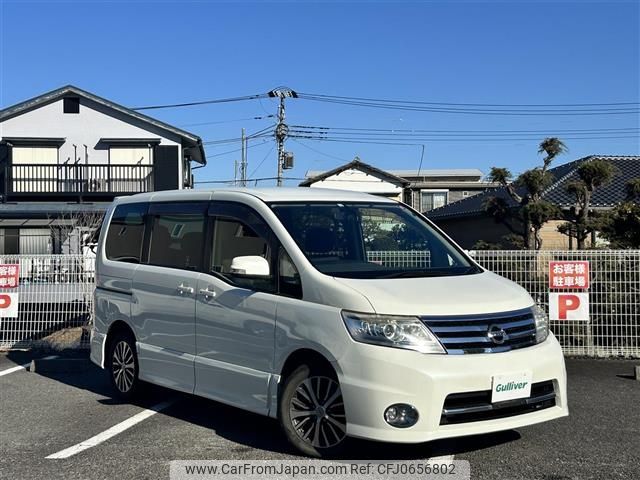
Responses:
[510,387]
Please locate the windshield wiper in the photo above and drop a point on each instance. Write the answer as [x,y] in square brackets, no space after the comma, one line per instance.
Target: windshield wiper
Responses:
[432,273]
[415,273]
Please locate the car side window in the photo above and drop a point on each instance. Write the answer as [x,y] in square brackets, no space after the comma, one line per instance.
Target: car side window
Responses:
[235,237]
[289,283]
[126,232]
[177,240]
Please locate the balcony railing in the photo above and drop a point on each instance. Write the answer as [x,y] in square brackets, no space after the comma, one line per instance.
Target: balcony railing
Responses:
[33,179]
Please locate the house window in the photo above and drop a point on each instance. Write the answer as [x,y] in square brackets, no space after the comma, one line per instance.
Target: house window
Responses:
[34,155]
[130,155]
[71,105]
[465,194]
[34,169]
[130,169]
[432,199]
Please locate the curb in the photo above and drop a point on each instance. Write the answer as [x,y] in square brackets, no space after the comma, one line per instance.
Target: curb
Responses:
[59,365]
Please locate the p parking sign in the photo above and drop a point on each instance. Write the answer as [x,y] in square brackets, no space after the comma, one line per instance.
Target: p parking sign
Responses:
[8,305]
[568,306]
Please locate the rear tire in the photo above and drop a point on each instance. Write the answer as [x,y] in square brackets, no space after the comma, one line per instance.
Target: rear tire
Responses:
[122,365]
[311,412]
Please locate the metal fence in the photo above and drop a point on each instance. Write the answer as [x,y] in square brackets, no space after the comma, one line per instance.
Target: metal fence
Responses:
[400,259]
[613,328]
[55,292]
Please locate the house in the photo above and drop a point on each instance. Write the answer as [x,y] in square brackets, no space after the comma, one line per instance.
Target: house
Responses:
[358,176]
[67,153]
[422,189]
[467,222]
[434,188]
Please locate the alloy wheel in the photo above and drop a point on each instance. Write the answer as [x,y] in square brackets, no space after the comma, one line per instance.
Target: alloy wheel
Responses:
[124,366]
[317,412]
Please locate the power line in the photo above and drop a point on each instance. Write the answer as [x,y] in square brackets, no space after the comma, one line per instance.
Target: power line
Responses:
[236,150]
[227,121]
[479,132]
[392,141]
[263,160]
[432,137]
[203,102]
[421,107]
[261,179]
[318,151]
[528,105]
[264,132]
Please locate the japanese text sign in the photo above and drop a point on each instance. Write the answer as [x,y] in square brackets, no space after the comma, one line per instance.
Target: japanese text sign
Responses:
[564,275]
[9,275]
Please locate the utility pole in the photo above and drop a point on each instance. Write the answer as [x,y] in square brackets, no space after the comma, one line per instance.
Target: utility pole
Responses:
[235,173]
[243,163]
[282,130]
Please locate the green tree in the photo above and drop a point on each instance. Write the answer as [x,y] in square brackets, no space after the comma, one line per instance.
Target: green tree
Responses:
[582,221]
[532,212]
[623,228]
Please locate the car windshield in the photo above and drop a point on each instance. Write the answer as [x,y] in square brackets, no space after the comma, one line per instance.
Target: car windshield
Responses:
[370,240]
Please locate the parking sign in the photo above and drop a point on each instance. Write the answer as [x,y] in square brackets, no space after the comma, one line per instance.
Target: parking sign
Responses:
[571,274]
[568,306]
[8,305]
[9,275]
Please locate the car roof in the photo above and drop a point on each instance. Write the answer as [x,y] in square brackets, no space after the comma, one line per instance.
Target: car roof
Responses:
[273,194]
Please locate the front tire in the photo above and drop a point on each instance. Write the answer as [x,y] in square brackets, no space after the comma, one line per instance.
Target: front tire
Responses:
[311,412]
[123,366]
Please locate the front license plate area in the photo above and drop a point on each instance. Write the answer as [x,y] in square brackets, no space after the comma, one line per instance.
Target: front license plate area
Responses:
[510,387]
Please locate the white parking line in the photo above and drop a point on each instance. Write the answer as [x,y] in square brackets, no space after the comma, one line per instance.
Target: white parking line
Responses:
[441,459]
[24,366]
[111,432]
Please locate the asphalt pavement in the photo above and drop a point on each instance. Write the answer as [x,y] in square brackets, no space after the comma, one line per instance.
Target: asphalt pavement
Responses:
[49,414]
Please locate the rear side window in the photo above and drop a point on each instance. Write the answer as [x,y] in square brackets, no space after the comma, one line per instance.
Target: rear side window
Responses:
[177,241]
[126,233]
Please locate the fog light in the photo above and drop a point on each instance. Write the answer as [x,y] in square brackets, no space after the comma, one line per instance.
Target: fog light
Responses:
[401,415]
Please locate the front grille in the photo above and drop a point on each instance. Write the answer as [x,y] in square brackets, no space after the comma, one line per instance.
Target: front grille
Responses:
[476,406]
[471,333]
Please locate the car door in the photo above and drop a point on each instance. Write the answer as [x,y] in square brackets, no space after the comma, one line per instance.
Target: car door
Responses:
[164,293]
[235,315]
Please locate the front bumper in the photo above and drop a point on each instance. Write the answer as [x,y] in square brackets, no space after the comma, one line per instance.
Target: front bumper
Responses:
[372,378]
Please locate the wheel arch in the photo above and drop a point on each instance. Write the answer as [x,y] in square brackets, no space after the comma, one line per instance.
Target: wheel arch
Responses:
[117,327]
[305,356]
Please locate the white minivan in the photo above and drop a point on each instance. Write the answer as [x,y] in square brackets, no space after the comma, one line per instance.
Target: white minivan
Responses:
[340,314]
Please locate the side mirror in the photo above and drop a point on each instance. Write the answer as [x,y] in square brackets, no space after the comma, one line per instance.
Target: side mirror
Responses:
[250,266]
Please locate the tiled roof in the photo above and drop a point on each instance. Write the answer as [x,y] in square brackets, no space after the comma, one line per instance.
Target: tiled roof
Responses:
[627,168]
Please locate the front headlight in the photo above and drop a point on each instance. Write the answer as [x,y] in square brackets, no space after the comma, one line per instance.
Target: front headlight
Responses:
[542,324]
[391,331]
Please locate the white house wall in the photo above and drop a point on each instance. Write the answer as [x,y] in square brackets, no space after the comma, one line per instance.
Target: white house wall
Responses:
[94,121]
[358,181]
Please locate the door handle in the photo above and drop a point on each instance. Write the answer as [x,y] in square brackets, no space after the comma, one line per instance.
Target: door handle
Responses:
[182,289]
[207,293]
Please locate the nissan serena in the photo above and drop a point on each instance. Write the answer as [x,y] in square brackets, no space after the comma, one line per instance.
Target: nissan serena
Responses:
[340,314]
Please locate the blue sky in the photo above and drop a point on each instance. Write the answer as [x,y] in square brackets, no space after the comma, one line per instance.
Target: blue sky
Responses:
[145,53]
